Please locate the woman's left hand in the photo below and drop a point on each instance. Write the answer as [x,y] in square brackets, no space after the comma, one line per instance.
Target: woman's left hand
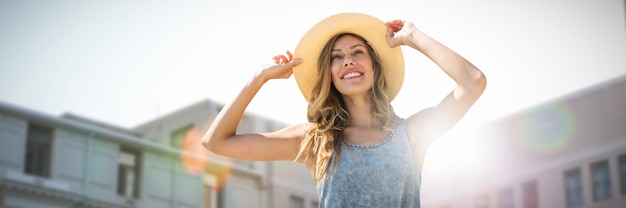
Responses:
[400,32]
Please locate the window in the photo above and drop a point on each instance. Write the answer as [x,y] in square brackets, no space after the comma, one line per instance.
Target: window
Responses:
[38,149]
[622,172]
[574,188]
[601,178]
[481,201]
[531,197]
[178,136]
[128,174]
[209,199]
[296,202]
[505,198]
[210,192]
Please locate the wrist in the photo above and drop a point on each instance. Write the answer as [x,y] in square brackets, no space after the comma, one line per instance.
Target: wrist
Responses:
[419,40]
[259,77]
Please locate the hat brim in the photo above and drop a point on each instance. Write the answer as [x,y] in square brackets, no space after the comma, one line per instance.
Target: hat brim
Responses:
[370,28]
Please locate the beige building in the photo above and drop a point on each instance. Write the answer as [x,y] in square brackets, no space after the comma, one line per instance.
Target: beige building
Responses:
[70,161]
[570,152]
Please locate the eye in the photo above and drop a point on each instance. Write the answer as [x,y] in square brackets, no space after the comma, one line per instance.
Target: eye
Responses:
[358,52]
[335,57]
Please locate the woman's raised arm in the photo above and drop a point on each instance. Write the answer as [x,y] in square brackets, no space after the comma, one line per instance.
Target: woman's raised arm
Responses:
[429,124]
[222,138]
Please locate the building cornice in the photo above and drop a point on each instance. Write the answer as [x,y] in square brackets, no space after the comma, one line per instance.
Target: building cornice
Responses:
[39,191]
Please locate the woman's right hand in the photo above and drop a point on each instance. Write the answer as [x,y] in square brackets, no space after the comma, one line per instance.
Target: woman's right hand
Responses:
[282,67]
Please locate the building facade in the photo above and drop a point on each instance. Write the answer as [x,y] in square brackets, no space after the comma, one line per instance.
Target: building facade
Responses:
[70,161]
[570,152]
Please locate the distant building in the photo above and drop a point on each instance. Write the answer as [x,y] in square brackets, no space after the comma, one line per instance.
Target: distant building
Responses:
[570,152]
[70,161]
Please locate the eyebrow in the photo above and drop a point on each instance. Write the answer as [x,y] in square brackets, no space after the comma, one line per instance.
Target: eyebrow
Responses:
[351,47]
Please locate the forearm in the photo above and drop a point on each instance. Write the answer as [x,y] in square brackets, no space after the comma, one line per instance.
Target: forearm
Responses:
[464,73]
[226,122]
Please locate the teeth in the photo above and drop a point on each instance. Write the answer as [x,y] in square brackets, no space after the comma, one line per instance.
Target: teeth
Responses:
[352,74]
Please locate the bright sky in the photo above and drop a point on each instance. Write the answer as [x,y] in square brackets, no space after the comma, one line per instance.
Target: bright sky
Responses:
[127,62]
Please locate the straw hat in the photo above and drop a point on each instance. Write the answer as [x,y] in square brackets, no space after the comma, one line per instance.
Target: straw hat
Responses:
[366,26]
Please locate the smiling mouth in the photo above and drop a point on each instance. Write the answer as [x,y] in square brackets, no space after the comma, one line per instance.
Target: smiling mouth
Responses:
[352,75]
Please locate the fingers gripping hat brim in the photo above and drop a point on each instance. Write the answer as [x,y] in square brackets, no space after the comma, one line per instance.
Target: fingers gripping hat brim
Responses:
[368,27]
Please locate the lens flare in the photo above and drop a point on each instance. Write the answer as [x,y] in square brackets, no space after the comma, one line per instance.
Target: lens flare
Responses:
[222,172]
[548,129]
[193,155]
[197,160]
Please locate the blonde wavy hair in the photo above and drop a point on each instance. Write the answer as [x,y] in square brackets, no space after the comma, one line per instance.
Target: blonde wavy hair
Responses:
[329,116]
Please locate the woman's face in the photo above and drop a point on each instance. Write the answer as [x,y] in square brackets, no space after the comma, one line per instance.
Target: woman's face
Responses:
[351,65]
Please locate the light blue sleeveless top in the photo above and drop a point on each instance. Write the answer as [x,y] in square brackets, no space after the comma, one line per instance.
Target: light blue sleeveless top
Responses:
[381,175]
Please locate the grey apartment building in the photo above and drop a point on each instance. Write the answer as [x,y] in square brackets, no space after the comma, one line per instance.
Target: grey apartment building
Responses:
[71,161]
[569,152]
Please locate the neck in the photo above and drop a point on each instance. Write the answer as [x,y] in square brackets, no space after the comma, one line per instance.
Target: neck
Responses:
[360,110]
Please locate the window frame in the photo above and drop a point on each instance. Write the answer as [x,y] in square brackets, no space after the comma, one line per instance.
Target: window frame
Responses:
[36,146]
[595,184]
[579,190]
[136,192]
[210,195]
[621,160]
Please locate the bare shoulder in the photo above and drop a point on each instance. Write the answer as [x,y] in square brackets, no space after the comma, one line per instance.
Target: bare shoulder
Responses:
[423,128]
[416,122]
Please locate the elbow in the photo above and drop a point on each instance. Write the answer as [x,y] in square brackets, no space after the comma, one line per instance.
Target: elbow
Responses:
[480,83]
[208,143]
[476,82]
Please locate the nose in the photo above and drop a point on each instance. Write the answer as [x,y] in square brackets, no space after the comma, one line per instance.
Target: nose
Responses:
[348,62]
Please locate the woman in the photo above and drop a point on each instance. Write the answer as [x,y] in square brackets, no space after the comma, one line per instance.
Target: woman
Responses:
[361,154]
